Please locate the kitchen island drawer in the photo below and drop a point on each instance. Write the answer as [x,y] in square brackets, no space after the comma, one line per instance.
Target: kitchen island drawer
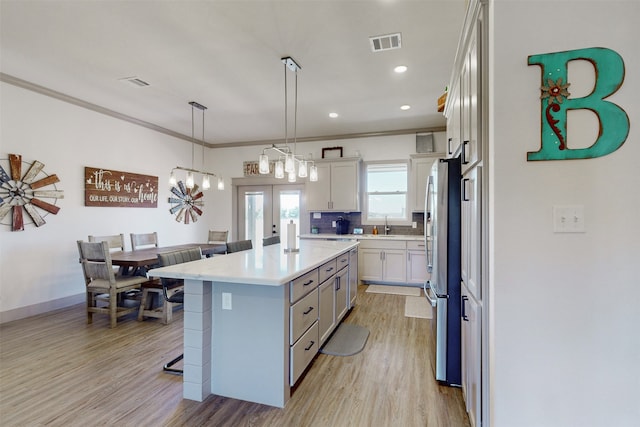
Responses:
[326,270]
[304,284]
[303,314]
[342,261]
[302,353]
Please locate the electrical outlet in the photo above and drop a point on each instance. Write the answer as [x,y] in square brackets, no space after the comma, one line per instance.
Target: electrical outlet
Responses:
[414,224]
[226,301]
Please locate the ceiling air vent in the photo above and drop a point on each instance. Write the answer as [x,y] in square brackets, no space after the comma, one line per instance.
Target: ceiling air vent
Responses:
[386,42]
[135,81]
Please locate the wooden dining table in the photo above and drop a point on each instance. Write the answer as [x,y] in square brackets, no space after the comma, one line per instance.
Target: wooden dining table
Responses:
[149,256]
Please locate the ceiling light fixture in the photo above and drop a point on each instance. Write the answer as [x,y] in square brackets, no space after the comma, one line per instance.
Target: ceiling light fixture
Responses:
[400,69]
[287,158]
[333,115]
[405,107]
[206,176]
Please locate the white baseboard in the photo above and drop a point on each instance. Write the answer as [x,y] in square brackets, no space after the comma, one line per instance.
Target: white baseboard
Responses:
[40,308]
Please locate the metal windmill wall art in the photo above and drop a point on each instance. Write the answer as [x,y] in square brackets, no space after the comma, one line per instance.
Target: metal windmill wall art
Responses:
[25,192]
[186,202]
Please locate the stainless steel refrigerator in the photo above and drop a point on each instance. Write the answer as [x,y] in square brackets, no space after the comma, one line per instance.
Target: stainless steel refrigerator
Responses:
[443,243]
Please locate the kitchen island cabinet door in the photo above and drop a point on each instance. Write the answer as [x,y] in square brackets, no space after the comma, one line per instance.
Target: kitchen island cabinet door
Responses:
[327,318]
[341,287]
[353,277]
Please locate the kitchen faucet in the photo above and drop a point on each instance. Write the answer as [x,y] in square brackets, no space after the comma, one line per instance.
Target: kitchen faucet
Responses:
[386,226]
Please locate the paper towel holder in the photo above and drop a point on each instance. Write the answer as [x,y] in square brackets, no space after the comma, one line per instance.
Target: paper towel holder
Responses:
[291,238]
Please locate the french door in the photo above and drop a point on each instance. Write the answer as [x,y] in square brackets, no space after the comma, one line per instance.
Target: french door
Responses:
[265,210]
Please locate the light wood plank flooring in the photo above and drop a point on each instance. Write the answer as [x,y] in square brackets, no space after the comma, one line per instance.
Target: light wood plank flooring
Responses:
[56,370]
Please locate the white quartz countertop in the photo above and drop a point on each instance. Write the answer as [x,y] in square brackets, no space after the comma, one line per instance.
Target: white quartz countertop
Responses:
[328,236]
[268,265]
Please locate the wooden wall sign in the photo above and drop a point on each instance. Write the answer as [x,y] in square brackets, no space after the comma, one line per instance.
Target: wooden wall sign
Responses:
[251,168]
[110,188]
[18,192]
[556,101]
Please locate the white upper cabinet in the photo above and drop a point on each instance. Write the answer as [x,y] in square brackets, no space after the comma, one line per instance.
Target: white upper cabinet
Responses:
[470,83]
[420,170]
[337,188]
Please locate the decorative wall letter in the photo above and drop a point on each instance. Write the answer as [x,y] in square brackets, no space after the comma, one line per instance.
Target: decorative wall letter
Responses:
[555,101]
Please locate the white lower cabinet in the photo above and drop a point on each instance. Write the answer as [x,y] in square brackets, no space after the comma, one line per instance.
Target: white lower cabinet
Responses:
[383,261]
[416,262]
[471,355]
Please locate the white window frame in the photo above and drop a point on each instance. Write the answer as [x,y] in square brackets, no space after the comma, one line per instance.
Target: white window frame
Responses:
[365,195]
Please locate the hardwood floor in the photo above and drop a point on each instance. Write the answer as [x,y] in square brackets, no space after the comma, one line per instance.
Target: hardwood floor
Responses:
[56,370]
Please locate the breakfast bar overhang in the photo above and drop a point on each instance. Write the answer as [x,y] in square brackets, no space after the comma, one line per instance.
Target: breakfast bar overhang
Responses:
[237,319]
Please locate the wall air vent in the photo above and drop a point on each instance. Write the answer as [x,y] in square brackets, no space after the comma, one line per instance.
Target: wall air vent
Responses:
[135,81]
[385,42]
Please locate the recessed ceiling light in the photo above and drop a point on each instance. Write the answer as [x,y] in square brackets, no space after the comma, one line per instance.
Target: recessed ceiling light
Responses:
[333,115]
[400,69]
[405,107]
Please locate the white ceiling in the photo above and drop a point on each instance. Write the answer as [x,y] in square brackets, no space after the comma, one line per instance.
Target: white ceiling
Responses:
[226,56]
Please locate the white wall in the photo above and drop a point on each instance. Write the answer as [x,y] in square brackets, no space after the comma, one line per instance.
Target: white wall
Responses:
[565,340]
[40,265]
[39,268]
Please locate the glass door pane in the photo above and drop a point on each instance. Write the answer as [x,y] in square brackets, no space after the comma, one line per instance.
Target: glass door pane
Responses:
[287,207]
[255,211]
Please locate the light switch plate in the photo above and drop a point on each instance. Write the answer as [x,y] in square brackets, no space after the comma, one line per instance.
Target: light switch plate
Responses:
[568,219]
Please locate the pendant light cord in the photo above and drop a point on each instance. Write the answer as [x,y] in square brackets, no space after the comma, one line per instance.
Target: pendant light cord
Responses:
[192,136]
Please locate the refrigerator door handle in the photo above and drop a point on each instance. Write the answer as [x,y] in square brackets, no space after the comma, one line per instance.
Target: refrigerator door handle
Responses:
[431,296]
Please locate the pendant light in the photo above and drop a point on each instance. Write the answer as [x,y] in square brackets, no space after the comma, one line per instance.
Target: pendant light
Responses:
[190,177]
[288,160]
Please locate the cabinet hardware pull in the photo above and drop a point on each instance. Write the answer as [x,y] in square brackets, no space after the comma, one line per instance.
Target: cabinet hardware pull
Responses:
[329,269]
[308,283]
[343,260]
[464,312]
[308,311]
[310,345]
[465,198]
[464,151]
[449,145]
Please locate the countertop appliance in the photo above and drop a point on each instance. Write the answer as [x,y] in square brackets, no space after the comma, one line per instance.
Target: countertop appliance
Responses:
[443,245]
[342,226]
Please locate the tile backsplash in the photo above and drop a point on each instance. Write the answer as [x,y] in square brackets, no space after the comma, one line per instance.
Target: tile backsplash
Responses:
[354,218]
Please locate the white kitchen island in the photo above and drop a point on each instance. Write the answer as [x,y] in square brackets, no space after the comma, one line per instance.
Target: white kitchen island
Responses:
[238,331]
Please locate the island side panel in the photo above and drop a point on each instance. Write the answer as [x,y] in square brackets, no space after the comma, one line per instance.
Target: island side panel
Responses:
[250,351]
[197,339]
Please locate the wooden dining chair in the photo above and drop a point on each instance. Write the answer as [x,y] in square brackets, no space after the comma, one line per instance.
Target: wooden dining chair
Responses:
[239,245]
[144,240]
[116,243]
[103,285]
[217,236]
[165,289]
[272,240]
